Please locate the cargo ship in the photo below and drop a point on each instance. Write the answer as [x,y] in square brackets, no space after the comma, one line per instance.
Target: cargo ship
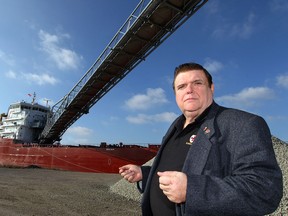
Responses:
[30,133]
[24,122]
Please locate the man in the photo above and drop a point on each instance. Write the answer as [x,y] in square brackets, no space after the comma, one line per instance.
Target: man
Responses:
[213,160]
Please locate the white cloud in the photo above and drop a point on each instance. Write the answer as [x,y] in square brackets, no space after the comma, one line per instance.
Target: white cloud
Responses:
[145,101]
[247,97]
[144,119]
[239,30]
[40,79]
[6,58]
[282,81]
[79,131]
[77,135]
[11,74]
[212,66]
[64,58]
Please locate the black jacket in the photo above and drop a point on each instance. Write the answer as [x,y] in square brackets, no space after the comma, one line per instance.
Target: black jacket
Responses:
[231,167]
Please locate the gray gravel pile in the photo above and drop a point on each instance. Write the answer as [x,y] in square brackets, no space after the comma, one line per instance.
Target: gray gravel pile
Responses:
[128,190]
[281,151]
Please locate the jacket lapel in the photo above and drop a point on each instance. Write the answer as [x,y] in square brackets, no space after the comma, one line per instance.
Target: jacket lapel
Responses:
[198,154]
[199,151]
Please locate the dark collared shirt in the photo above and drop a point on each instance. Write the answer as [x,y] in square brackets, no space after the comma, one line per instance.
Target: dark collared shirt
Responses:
[172,159]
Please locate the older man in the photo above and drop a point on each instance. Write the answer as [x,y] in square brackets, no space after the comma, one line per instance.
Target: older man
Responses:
[213,160]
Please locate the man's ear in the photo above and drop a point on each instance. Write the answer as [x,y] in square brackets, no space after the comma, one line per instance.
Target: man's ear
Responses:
[212,88]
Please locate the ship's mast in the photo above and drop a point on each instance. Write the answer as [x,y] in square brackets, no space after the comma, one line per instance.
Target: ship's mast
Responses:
[34,98]
[47,101]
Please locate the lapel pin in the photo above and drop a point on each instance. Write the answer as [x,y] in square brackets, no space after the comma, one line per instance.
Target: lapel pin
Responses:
[206,130]
[191,140]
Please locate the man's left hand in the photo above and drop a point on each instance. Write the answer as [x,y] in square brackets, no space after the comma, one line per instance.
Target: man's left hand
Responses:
[174,185]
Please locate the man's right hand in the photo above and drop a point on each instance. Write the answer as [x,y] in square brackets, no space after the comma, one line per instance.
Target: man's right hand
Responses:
[132,173]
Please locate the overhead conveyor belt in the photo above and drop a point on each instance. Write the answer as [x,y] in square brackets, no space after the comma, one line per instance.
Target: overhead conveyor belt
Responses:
[145,29]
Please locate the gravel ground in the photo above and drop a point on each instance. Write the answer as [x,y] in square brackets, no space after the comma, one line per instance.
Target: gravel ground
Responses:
[50,192]
[29,192]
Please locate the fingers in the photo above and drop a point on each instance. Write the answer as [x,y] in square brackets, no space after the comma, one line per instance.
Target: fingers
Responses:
[174,185]
[165,187]
[131,173]
[167,173]
[165,182]
[165,178]
[126,172]
[123,168]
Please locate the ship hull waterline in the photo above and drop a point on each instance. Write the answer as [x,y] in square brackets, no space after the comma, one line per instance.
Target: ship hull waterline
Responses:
[73,158]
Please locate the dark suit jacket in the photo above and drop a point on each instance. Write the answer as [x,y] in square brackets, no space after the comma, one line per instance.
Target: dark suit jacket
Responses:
[231,167]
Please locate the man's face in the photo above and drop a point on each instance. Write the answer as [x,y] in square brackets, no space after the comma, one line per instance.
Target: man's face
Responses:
[193,94]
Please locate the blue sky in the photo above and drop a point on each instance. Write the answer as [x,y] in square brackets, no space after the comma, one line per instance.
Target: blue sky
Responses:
[47,46]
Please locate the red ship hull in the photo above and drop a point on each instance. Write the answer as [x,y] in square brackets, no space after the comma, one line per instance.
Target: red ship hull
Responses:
[106,159]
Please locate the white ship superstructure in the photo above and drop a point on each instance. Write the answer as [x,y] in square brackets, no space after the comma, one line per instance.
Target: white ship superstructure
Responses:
[24,121]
